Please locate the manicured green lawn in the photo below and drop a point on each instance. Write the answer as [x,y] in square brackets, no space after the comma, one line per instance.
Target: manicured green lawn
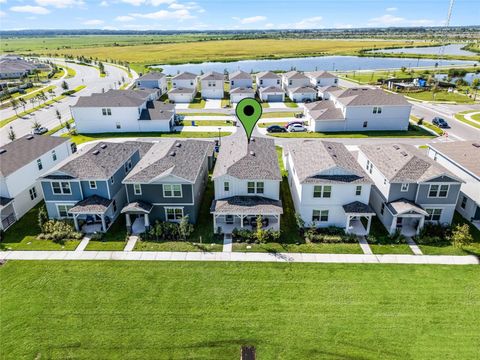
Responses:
[113,240]
[176,246]
[440,96]
[23,235]
[201,114]
[276,114]
[207,123]
[267,124]
[197,105]
[206,310]
[415,132]
[461,117]
[391,249]
[291,104]
[319,248]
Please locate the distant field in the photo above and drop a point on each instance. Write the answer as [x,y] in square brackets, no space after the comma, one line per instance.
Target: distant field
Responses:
[144,52]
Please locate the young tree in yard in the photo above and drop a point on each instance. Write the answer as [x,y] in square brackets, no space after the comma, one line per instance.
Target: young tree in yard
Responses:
[42,217]
[58,114]
[435,90]
[260,232]
[64,85]
[51,93]
[36,124]
[475,85]
[14,105]
[185,228]
[11,135]
[33,100]
[461,236]
[23,103]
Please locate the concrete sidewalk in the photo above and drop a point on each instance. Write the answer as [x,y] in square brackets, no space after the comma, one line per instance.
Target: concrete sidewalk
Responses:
[240,256]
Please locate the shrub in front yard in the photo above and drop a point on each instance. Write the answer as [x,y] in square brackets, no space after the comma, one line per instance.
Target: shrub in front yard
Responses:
[396,238]
[434,234]
[168,231]
[59,231]
[329,235]
[248,236]
[461,236]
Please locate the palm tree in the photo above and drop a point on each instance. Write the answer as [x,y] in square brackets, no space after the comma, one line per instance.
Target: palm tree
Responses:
[23,103]
[11,134]
[32,101]
[36,124]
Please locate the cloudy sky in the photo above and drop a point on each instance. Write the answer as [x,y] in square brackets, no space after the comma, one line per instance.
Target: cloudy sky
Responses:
[230,14]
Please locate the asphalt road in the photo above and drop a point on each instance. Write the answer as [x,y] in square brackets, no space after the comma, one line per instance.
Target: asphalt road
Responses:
[85,75]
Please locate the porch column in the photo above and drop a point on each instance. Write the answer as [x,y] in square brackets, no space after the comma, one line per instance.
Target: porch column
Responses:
[75,221]
[420,224]
[241,221]
[348,224]
[128,221]
[104,225]
[147,222]
[278,218]
[214,223]
[369,223]
[393,227]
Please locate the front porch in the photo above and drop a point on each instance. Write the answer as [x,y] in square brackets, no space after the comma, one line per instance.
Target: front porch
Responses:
[408,217]
[242,212]
[90,215]
[137,217]
[355,212]
[7,213]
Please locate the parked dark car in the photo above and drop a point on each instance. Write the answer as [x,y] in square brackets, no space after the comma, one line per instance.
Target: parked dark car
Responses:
[293,123]
[40,131]
[276,129]
[441,123]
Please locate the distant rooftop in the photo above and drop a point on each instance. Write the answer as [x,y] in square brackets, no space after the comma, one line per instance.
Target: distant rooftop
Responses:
[116,98]
[359,96]
[154,75]
[464,153]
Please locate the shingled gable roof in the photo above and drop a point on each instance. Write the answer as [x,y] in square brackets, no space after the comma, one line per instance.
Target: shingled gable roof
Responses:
[212,75]
[464,153]
[401,163]
[267,75]
[97,162]
[240,75]
[295,75]
[271,89]
[320,74]
[323,110]
[325,162]
[255,161]
[157,110]
[180,158]
[360,96]
[302,89]
[116,98]
[242,90]
[181,90]
[26,149]
[154,75]
[185,76]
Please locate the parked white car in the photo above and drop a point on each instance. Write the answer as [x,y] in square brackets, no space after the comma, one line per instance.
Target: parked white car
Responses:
[297,128]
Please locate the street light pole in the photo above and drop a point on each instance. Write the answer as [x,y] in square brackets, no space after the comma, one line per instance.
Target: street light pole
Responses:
[219,139]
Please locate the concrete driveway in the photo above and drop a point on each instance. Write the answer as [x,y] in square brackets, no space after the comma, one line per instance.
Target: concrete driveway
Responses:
[213,104]
[277,105]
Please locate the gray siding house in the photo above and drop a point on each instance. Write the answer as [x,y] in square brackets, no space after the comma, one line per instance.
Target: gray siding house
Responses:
[153,80]
[410,188]
[87,187]
[168,183]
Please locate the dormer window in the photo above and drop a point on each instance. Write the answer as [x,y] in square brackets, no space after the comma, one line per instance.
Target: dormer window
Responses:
[92,184]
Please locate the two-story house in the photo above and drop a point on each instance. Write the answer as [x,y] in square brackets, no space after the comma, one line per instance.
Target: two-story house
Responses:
[184,88]
[328,186]
[240,79]
[358,109]
[322,78]
[247,185]
[168,183]
[212,84]
[410,188]
[87,187]
[269,87]
[298,87]
[153,80]
[462,159]
[123,111]
[22,161]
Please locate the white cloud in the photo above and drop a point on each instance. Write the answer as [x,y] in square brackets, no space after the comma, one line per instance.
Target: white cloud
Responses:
[93,22]
[166,15]
[308,23]
[30,9]
[124,18]
[391,9]
[188,6]
[161,2]
[251,19]
[109,28]
[391,20]
[104,3]
[2,13]
[134,2]
[60,3]
[148,2]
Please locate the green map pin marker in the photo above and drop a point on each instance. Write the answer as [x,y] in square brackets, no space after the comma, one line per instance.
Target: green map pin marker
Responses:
[248,111]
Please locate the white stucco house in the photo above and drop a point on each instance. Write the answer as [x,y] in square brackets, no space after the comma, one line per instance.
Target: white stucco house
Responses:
[462,159]
[247,185]
[324,91]
[240,79]
[212,85]
[22,162]
[271,94]
[184,88]
[123,111]
[267,78]
[302,94]
[328,186]
[239,93]
[322,78]
[294,79]
[358,109]
[153,80]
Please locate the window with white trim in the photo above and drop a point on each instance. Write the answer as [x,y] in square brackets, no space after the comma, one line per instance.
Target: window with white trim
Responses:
[128,165]
[106,112]
[377,110]
[39,164]
[92,184]
[226,186]
[54,155]
[61,187]
[33,193]
[365,124]
[173,214]
[255,187]
[438,191]
[404,187]
[463,204]
[320,215]
[433,214]
[320,191]
[172,190]
[63,210]
[358,190]
[137,189]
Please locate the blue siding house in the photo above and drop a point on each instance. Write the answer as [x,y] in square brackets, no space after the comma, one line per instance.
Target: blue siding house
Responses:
[87,187]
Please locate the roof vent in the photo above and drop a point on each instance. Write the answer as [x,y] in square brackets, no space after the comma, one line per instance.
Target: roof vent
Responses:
[96,152]
[404,153]
[252,153]
[172,153]
[178,144]
[3,151]
[477,145]
[29,137]
[103,146]
[396,147]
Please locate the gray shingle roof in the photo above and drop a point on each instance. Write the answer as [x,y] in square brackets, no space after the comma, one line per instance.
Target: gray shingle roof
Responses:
[358,207]
[302,90]
[401,163]
[464,153]
[154,75]
[137,206]
[116,98]
[295,75]
[180,158]
[324,110]
[242,90]
[26,149]
[185,76]
[255,161]
[325,162]
[212,75]
[181,90]
[320,75]
[271,89]
[247,205]
[402,206]
[87,164]
[91,205]
[157,110]
[267,75]
[360,96]
[239,75]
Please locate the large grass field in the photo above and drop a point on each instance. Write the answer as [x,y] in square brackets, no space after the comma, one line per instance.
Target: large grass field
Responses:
[202,310]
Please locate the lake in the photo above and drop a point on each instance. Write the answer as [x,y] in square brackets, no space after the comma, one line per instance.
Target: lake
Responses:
[329,63]
[468,77]
[451,49]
